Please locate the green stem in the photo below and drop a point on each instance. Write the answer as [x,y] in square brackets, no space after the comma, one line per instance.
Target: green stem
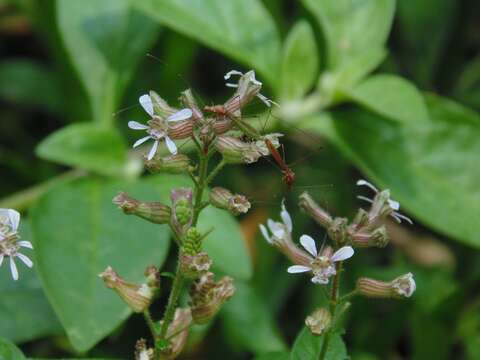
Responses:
[199,189]
[150,323]
[333,308]
[172,302]
[215,171]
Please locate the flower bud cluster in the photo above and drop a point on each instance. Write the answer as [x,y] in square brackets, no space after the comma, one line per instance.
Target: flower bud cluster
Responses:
[155,212]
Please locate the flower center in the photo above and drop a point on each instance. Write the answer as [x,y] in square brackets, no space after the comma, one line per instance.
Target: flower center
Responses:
[158,128]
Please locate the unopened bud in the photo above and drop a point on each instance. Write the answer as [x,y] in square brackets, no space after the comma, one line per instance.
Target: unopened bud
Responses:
[208,296]
[192,242]
[194,266]
[319,321]
[172,164]
[137,297]
[317,213]
[401,287]
[338,230]
[181,129]
[177,333]
[376,238]
[224,199]
[142,352]
[154,212]
[189,101]
[160,106]
[182,209]
[235,151]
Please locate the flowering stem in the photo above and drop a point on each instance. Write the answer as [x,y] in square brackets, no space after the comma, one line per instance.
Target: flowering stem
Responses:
[215,171]
[150,323]
[200,187]
[172,302]
[333,308]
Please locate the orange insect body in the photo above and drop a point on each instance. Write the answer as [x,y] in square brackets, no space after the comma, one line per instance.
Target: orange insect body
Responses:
[288,174]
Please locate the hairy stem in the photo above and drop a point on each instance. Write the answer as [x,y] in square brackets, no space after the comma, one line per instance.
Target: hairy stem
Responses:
[150,323]
[172,302]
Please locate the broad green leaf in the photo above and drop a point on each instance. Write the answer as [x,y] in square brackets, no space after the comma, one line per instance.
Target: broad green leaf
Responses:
[88,146]
[299,62]
[27,83]
[105,41]
[77,233]
[390,96]
[429,167]
[246,314]
[274,356]
[9,351]
[352,27]
[467,88]
[225,244]
[242,29]
[308,346]
[24,309]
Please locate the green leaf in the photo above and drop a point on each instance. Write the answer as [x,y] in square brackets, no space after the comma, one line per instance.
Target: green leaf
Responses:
[77,233]
[300,61]
[87,146]
[352,29]
[390,96]
[274,356]
[423,164]
[9,351]
[225,244]
[242,29]
[27,83]
[308,346]
[105,41]
[246,314]
[24,309]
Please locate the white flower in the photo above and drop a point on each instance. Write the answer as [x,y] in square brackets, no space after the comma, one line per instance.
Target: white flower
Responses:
[254,81]
[9,240]
[157,127]
[394,205]
[322,266]
[404,285]
[279,230]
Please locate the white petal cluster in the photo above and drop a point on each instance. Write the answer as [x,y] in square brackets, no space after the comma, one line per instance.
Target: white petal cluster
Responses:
[322,267]
[278,230]
[395,205]
[157,133]
[9,240]
[263,98]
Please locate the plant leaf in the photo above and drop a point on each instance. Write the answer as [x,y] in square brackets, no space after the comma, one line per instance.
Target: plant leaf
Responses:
[246,314]
[24,309]
[274,356]
[423,164]
[105,40]
[87,146]
[27,83]
[242,29]
[9,351]
[353,30]
[77,233]
[308,346]
[390,96]
[300,61]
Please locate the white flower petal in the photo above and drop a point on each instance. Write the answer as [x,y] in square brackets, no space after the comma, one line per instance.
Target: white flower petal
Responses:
[25,260]
[1,259]
[343,253]
[14,217]
[264,99]
[395,205]
[264,232]
[365,199]
[286,218]
[320,280]
[13,269]
[232,72]
[276,229]
[147,104]
[26,244]
[295,269]
[230,85]
[309,244]
[153,150]
[366,183]
[141,141]
[397,216]
[183,114]
[171,145]
[135,125]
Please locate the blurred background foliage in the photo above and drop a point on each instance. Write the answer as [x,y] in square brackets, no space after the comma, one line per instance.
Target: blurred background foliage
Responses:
[368,88]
